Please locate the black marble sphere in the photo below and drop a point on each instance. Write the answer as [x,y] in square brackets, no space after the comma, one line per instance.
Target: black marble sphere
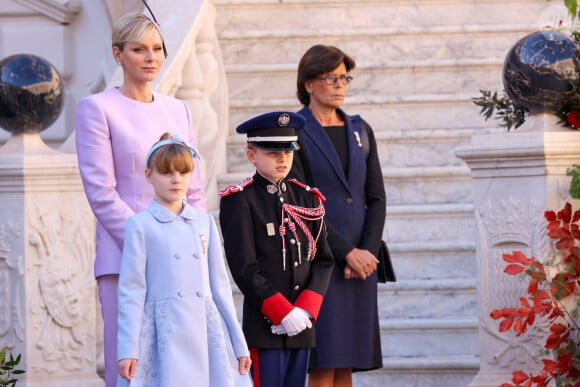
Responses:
[541,71]
[31,94]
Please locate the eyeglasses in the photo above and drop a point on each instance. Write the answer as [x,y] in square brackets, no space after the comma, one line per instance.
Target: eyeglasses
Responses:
[331,79]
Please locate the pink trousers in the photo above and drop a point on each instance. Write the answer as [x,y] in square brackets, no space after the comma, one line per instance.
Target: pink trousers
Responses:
[108,285]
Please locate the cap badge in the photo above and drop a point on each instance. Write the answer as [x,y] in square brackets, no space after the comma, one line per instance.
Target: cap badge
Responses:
[283,119]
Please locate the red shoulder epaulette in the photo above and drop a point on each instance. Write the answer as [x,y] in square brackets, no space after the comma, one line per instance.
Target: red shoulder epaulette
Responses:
[237,188]
[314,191]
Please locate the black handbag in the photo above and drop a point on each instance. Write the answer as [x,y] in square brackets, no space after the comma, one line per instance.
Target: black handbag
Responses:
[385,270]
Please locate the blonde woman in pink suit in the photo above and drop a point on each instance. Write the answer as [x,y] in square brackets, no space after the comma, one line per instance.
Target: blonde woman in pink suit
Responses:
[114,130]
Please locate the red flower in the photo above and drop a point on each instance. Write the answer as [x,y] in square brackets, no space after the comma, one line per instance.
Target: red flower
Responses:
[573,118]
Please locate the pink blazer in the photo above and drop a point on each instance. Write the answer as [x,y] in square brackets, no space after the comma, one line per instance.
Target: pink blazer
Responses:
[113,135]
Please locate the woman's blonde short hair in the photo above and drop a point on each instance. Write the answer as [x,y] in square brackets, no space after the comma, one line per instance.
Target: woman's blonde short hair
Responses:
[132,28]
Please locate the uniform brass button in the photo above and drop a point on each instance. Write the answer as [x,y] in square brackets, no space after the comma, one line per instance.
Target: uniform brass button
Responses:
[349,201]
[295,264]
[293,241]
[296,287]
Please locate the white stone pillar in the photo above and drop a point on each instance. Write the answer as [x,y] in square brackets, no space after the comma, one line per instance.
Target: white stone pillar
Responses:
[47,289]
[203,77]
[517,176]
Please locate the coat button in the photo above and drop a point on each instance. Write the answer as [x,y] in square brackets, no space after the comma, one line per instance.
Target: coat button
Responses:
[195,256]
[293,241]
[180,293]
[349,201]
[199,294]
[297,287]
[177,256]
[295,264]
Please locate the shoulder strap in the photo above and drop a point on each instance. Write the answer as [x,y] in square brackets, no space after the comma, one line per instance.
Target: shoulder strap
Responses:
[236,188]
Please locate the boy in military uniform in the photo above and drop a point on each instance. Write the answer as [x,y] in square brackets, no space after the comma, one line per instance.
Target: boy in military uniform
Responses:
[275,244]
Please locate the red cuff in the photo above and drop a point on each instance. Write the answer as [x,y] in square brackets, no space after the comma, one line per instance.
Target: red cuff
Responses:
[311,301]
[276,307]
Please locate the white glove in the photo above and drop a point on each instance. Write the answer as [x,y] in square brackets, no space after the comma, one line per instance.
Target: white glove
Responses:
[296,321]
[278,329]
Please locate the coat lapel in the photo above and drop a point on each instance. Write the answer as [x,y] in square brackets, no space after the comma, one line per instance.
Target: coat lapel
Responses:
[354,141]
[316,135]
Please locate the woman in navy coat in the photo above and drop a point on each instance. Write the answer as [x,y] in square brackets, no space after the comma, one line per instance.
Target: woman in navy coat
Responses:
[339,156]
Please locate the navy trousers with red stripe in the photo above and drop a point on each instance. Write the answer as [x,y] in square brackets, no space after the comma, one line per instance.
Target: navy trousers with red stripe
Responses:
[279,367]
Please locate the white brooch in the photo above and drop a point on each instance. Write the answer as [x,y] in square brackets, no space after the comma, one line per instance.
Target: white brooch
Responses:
[358,139]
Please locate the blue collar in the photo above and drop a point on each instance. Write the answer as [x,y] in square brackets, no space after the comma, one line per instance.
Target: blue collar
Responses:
[163,215]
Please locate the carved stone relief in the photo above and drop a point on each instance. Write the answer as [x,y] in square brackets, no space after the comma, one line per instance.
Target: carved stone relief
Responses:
[11,287]
[507,226]
[62,314]
[63,11]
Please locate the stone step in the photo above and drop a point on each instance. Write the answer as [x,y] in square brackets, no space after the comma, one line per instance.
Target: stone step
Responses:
[397,149]
[406,343]
[445,113]
[428,185]
[422,148]
[433,260]
[369,44]
[251,14]
[408,304]
[423,222]
[403,186]
[375,78]
[430,371]
[407,337]
[440,298]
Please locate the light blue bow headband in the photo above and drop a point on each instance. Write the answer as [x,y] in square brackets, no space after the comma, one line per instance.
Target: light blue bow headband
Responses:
[175,139]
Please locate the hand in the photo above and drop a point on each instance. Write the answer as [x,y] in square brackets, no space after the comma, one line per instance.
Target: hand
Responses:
[127,368]
[363,262]
[296,321]
[245,363]
[278,329]
[349,273]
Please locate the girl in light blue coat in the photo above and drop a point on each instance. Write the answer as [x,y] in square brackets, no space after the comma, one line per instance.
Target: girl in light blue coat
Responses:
[177,320]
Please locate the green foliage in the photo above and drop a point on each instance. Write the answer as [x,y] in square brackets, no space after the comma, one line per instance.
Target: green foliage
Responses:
[572,6]
[502,106]
[574,171]
[8,368]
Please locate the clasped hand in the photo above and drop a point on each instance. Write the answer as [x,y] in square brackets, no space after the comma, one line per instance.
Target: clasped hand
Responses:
[295,322]
[360,264]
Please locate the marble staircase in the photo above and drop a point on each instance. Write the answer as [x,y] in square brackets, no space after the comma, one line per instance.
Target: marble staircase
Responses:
[419,63]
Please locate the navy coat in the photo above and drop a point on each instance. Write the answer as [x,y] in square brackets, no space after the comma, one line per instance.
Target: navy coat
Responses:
[347,331]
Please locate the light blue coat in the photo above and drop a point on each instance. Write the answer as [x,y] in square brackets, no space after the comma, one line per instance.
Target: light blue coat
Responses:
[176,311]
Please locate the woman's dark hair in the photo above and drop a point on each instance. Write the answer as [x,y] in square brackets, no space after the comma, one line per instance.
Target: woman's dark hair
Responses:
[317,60]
